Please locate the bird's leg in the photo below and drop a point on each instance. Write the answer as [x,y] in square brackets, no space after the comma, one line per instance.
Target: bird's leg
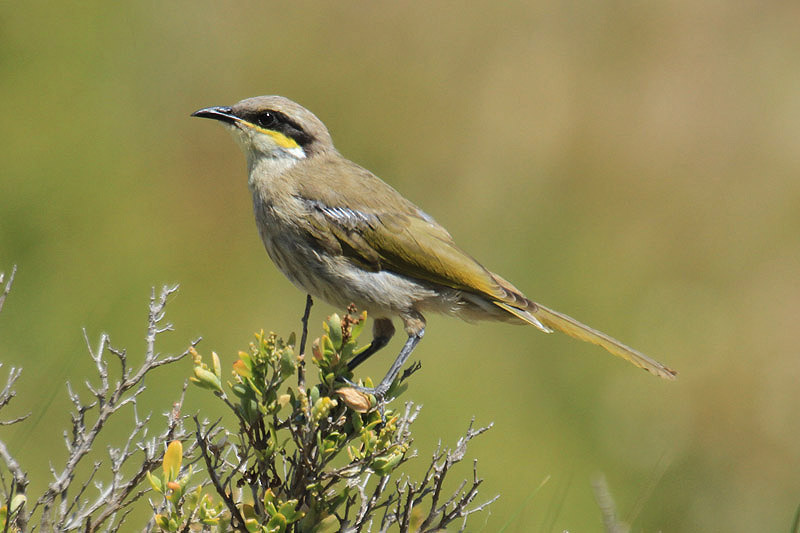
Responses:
[382,332]
[388,379]
[415,328]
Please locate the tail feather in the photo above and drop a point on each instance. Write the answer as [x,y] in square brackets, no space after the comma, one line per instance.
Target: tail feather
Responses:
[547,319]
[575,329]
[523,315]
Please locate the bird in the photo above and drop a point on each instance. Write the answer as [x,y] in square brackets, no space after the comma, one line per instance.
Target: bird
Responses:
[340,233]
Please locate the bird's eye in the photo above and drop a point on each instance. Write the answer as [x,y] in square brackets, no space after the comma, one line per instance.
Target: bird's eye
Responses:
[267,119]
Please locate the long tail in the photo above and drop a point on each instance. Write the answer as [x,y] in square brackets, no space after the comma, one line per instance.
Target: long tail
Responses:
[545,319]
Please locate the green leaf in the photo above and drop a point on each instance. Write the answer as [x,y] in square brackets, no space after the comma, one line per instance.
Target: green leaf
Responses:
[369,439]
[385,464]
[183,481]
[162,522]
[155,482]
[206,379]
[193,497]
[288,510]
[322,408]
[249,410]
[172,460]
[355,419]
[269,502]
[240,390]
[316,351]
[355,329]
[242,369]
[347,350]
[16,503]
[329,524]
[287,362]
[248,511]
[328,349]
[277,523]
[216,365]
[375,422]
[334,324]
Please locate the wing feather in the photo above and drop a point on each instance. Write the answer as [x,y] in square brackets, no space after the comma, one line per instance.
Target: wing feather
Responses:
[380,228]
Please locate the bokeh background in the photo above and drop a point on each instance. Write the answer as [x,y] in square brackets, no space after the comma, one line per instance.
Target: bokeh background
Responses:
[634,164]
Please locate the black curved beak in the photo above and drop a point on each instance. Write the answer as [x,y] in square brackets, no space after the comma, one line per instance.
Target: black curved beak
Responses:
[223,114]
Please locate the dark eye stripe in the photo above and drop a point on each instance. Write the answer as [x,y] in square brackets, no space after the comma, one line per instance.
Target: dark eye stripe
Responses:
[277,121]
[266,120]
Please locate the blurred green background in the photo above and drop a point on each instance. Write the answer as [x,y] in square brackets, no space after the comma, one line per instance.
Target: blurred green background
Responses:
[634,164]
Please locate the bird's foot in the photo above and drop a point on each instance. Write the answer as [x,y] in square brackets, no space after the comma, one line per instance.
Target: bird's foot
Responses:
[361,398]
[413,367]
[378,392]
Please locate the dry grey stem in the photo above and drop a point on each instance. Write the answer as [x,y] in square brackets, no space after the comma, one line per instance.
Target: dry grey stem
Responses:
[8,285]
[90,504]
[397,506]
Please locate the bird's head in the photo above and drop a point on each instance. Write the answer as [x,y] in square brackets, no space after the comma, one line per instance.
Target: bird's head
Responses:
[273,127]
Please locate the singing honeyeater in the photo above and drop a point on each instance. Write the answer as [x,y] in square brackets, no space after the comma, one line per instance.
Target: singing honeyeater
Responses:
[340,233]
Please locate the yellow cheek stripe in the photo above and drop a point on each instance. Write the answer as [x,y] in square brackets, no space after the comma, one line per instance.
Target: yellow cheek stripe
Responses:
[280,139]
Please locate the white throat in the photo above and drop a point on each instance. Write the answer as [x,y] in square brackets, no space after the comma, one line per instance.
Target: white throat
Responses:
[266,160]
[264,168]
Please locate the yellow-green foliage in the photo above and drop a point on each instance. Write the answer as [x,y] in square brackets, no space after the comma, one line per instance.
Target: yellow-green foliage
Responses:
[283,469]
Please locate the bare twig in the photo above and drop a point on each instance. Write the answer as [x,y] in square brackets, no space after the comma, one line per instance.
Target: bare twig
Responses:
[458,503]
[237,521]
[19,482]
[19,475]
[7,288]
[66,504]
[8,393]
[301,368]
